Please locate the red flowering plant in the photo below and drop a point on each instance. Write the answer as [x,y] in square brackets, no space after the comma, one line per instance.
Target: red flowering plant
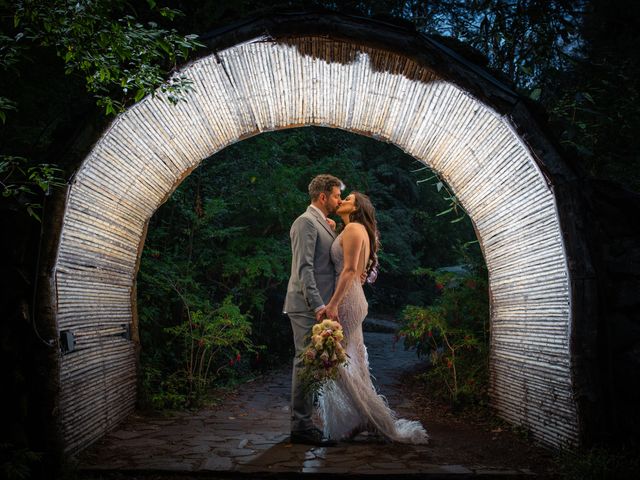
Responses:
[454,333]
[213,338]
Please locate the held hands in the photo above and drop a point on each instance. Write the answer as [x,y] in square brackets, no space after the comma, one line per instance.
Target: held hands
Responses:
[331,311]
[327,312]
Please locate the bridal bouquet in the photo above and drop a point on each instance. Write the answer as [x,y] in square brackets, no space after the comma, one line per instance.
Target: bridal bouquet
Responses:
[323,356]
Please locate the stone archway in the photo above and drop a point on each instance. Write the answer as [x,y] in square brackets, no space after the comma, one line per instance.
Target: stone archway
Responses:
[362,77]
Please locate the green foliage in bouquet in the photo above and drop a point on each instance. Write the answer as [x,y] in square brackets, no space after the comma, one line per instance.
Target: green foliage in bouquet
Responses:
[454,333]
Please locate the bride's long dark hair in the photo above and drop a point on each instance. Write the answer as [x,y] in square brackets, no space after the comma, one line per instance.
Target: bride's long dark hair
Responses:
[365,214]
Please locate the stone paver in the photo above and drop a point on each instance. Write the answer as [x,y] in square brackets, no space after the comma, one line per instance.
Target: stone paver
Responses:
[250,434]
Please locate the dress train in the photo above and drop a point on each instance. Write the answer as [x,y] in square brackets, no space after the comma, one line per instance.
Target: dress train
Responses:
[351,403]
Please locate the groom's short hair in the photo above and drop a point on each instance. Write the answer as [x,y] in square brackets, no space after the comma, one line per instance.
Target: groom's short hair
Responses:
[323,184]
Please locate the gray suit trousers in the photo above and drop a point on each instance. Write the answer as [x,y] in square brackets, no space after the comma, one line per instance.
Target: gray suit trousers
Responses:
[301,404]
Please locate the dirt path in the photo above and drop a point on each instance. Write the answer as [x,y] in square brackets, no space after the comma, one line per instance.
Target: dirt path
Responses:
[249,434]
[476,440]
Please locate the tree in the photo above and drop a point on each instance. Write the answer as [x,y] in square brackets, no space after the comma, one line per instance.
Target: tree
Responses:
[101,44]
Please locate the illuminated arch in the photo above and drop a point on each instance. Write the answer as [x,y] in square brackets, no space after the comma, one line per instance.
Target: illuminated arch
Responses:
[396,87]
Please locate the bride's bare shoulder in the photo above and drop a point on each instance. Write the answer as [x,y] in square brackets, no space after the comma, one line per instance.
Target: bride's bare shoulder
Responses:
[354,229]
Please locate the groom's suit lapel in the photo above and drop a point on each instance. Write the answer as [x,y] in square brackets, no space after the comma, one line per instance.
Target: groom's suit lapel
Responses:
[321,220]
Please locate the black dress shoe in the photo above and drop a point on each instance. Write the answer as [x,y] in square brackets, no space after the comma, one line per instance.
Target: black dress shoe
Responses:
[313,436]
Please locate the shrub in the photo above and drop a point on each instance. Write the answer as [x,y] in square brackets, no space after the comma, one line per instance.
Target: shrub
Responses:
[212,341]
[208,341]
[453,333]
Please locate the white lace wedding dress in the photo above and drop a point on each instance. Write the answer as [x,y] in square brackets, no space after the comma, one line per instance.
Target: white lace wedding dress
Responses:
[351,404]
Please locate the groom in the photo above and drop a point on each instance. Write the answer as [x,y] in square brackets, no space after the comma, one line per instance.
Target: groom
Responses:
[310,287]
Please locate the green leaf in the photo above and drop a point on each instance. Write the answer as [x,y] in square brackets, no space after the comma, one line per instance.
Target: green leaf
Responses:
[32,212]
[169,13]
[444,212]
[535,94]
[140,94]
[164,45]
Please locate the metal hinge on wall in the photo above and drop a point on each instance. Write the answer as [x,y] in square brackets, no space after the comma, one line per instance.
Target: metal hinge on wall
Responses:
[67,341]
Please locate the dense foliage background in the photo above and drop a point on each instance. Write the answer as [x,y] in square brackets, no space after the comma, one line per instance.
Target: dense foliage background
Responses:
[224,234]
[215,254]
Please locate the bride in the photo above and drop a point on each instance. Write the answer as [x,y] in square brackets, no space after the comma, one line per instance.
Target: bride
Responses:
[350,404]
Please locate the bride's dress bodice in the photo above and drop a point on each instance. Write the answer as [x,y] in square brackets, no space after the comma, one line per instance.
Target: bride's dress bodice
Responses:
[354,307]
[351,403]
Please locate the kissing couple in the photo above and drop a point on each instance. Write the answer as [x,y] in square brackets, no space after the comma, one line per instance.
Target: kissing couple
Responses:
[327,273]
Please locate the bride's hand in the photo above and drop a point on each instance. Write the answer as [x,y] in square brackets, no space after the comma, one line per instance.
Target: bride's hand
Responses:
[331,312]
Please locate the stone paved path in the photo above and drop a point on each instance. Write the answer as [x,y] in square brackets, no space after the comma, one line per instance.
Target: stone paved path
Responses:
[249,434]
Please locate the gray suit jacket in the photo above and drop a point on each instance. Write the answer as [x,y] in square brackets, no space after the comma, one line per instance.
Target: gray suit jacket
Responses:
[312,278]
